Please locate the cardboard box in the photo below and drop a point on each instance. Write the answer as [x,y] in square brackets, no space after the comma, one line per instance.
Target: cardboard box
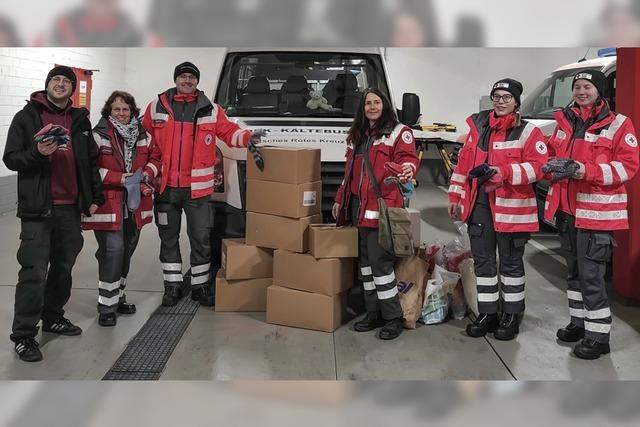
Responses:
[286,164]
[277,232]
[329,241]
[241,295]
[303,272]
[242,261]
[307,310]
[290,200]
[416,234]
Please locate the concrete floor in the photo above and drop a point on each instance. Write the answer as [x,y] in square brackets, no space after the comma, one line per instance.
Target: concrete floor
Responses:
[242,346]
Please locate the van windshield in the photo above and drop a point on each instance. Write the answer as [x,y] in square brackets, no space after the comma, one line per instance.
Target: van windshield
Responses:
[554,92]
[267,84]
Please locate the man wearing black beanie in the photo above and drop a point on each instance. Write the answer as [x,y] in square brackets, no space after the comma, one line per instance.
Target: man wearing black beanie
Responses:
[186,125]
[58,182]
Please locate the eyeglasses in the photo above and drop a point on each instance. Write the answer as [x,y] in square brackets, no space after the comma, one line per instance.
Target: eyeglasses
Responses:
[505,98]
[58,80]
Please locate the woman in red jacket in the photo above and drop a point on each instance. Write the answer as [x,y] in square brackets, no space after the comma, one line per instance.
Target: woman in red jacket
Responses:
[598,151]
[491,190]
[128,162]
[390,147]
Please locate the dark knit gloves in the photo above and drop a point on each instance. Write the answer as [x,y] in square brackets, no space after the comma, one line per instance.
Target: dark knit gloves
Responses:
[560,169]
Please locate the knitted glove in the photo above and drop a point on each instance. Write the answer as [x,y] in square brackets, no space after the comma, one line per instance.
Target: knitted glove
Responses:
[561,169]
[255,151]
[482,171]
[59,133]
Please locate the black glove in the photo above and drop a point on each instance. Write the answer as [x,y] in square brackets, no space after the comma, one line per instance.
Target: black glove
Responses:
[561,169]
[482,173]
[255,151]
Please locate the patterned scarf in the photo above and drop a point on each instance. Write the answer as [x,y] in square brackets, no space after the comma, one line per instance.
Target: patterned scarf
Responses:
[130,134]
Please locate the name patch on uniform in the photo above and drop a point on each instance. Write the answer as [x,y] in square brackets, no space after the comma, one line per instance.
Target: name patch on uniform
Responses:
[631,140]
[208,139]
[541,147]
[561,135]
[407,137]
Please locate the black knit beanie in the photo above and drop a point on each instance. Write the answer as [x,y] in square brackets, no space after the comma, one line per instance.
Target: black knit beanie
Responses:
[596,77]
[62,70]
[512,86]
[186,67]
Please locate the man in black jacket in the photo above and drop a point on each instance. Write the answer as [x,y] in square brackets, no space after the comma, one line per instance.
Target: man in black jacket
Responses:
[58,182]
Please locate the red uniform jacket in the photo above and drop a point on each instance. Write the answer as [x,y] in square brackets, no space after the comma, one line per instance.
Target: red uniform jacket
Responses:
[608,147]
[519,152]
[108,217]
[398,147]
[210,122]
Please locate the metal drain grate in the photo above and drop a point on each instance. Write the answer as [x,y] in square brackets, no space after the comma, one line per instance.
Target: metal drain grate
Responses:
[148,352]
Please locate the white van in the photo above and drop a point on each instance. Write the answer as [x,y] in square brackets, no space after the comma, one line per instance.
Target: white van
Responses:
[269,90]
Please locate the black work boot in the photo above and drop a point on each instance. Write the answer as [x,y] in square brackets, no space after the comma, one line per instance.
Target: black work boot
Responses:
[570,333]
[590,350]
[172,295]
[483,324]
[107,319]
[508,328]
[124,307]
[204,295]
[392,329]
[371,321]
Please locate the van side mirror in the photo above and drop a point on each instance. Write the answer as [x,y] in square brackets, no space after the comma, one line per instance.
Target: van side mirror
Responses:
[410,109]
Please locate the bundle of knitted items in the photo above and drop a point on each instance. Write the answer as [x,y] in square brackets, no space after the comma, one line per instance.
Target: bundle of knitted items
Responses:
[60,134]
[561,168]
[254,150]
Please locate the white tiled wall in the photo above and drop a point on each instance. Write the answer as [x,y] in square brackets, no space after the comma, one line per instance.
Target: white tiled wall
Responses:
[23,71]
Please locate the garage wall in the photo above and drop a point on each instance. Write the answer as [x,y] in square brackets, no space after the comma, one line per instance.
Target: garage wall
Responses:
[150,71]
[450,82]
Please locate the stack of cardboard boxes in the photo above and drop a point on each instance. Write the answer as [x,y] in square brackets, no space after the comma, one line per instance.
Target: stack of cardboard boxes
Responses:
[284,203]
[309,290]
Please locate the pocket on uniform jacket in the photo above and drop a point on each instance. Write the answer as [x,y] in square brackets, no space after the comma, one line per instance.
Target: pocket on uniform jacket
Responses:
[602,150]
[600,247]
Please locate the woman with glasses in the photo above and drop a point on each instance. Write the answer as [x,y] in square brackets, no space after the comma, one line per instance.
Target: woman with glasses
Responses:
[595,152]
[492,191]
[379,143]
[129,162]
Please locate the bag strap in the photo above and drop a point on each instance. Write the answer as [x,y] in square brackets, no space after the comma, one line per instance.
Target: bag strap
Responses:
[372,176]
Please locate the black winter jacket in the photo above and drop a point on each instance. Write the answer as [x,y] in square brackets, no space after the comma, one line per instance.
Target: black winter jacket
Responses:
[34,173]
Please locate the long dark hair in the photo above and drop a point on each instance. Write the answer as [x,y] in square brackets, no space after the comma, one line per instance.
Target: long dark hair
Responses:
[126,97]
[387,121]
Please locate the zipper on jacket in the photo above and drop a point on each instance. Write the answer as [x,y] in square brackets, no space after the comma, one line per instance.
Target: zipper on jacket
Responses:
[366,153]
[184,106]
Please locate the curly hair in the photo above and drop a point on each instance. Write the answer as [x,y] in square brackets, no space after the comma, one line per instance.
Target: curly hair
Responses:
[126,97]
